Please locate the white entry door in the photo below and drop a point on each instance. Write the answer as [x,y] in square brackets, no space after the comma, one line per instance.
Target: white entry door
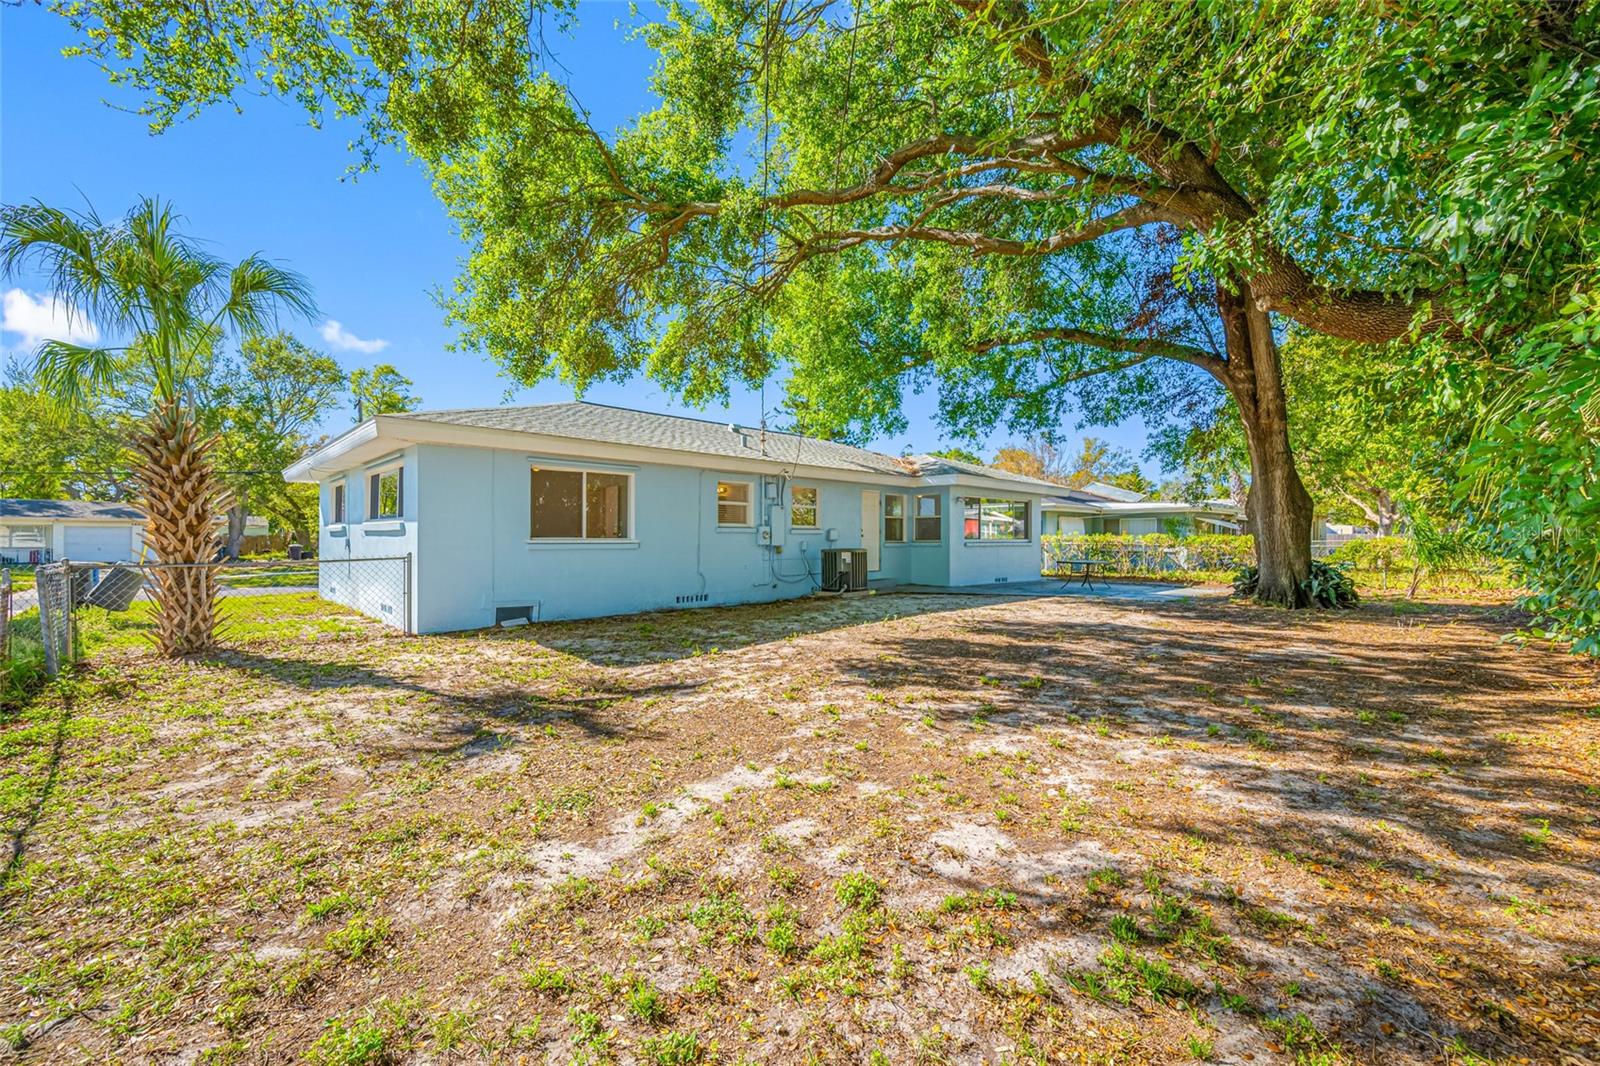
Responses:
[871,528]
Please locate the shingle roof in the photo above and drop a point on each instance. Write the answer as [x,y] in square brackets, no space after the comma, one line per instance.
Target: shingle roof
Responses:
[68,509]
[1105,490]
[621,425]
[933,465]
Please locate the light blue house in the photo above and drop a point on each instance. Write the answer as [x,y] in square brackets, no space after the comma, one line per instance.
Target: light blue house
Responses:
[577,510]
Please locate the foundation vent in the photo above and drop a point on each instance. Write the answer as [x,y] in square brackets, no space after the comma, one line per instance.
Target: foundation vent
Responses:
[699,597]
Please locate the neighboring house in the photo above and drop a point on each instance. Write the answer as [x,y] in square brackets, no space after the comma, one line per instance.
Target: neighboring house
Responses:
[575,510]
[41,531]
[1101,508]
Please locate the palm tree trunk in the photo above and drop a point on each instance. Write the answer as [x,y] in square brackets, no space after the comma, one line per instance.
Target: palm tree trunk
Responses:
[182,500]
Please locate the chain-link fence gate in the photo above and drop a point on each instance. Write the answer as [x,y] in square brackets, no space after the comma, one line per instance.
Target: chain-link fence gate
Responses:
[85,605]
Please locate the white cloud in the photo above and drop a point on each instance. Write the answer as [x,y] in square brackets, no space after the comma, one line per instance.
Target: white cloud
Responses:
[342,339]
[44,317]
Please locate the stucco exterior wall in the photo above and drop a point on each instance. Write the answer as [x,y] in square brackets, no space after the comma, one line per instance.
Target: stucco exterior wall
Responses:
[984,562]
[466,521]
[912,561]
[373,590]
[475,555]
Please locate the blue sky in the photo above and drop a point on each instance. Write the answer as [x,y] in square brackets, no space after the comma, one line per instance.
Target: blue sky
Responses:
[374,249]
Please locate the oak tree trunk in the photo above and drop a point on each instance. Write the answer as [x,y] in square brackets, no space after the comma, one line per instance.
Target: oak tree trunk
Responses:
[182,501]
[1279,510]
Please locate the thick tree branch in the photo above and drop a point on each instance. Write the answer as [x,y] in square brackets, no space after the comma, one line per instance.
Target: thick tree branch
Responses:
[1141,214]
[1144,347]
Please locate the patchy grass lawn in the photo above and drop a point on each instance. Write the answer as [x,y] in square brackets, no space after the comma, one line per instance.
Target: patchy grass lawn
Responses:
[896,829]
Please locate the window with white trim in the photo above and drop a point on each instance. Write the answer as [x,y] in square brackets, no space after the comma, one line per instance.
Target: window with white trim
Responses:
[734,500]
[928,525]
[803,512]
[984,519]
[24,537]
[336,505]
[578,504]
[894,518]
[386,493]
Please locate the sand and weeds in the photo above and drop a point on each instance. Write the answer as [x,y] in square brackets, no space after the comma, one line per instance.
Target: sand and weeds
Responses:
[905,829]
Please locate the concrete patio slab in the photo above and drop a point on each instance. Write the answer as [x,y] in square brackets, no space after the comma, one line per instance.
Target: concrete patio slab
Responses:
[1109,590]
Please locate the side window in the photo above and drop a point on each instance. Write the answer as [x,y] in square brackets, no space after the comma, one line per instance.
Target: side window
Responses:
[984,519]
[733,503]
[578,504]
[336,510]
[928,519]
[803,507]
[386,493]
[894,518]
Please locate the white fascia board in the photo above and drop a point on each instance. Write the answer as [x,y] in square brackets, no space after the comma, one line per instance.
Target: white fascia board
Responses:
[1163,507]
[1070,507]
[336,455]
[86,521]
[998,485]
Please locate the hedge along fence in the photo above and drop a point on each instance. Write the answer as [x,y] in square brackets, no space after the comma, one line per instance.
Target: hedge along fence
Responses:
[1447,563]
[1374,562]
[1153,553]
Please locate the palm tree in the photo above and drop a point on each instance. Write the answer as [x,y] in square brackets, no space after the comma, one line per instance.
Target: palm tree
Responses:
[139,280]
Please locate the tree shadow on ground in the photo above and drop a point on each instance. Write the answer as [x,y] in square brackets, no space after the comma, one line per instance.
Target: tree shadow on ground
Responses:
[1301,740]
[669,636]
[461,714]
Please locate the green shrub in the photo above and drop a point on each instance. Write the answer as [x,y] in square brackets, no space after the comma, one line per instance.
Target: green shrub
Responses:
[1149,553]
[1326,585]
[1375,553]
[860,890]
[23,670]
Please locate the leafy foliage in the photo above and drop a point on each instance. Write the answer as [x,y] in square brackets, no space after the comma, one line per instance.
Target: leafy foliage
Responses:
[1136,552]
[47,453]
[1328,585]
[264,405]
[381,390]
[1532,480]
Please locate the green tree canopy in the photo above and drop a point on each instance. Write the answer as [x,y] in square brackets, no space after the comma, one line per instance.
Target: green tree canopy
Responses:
[381,390]
[999,201]
[48,454]
[267,403]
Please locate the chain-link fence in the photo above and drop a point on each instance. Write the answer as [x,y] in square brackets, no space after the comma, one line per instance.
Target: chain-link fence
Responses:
[84,606]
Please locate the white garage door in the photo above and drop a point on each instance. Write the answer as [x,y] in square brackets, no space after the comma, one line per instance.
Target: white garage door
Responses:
[100,544]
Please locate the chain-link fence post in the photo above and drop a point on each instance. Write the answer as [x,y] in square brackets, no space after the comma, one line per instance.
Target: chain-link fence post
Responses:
[5,614]
[406,596]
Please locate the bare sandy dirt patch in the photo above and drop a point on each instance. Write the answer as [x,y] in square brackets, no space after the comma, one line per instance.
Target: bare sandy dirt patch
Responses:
[901,828]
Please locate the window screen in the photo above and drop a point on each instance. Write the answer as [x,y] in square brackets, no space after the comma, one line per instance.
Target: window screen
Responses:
[803,506]
[578,505]
[894,518]
[928,518]
[733,503]
[386,494]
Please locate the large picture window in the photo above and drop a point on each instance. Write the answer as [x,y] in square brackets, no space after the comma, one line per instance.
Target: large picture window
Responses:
[894,518]
[928,525]
[994,519]
[578,505]
[803,507]
[24,537]
[386,493]
[733,503]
